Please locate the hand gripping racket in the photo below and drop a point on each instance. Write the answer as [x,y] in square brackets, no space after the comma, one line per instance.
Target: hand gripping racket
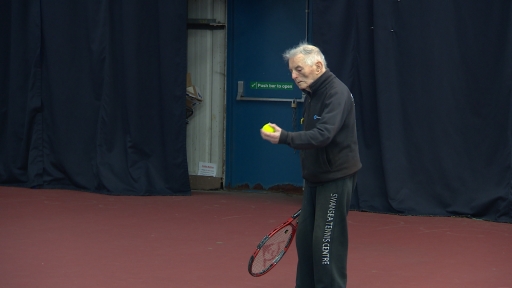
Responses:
[272,247]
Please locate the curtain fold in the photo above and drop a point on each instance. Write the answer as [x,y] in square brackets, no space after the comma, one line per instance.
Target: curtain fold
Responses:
[20,93]
[432,82]
[105,105]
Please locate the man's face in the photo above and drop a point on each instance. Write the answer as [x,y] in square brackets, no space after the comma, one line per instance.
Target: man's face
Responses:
[302,73]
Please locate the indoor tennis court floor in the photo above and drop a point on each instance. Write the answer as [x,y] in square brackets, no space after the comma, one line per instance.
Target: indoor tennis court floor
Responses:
[71,239]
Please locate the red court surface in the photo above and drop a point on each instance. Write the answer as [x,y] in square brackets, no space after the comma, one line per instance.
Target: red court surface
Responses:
[60,238]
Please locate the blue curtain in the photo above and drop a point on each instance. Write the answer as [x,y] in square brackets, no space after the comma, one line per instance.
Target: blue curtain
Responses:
[432,81]
[92,96]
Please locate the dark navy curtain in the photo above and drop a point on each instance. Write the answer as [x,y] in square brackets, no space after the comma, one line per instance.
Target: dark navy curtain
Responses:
[432,82]
[92,96]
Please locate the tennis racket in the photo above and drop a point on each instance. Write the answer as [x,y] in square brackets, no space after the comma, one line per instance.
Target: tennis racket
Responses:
[272,247]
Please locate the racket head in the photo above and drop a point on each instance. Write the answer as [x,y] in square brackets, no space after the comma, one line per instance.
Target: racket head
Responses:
[271,249]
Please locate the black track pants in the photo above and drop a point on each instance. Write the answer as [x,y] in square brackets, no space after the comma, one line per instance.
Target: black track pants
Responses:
[322,235]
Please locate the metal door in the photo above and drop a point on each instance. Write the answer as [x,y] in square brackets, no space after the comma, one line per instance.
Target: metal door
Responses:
[260,90]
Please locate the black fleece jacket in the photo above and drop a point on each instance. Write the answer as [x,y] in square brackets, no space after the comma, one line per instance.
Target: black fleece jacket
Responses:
[328,144]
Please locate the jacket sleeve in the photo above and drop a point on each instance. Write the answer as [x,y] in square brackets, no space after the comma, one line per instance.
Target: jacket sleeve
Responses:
[324,128]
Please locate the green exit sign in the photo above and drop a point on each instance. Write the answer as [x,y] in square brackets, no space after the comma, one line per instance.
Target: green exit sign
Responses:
[272,85]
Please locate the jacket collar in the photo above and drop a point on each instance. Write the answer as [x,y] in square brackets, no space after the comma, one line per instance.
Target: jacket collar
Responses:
[318,83]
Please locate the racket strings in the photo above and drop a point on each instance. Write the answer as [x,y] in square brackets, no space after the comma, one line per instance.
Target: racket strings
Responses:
[272,249]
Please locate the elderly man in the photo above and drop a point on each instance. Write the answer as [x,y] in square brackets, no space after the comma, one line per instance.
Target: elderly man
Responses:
[330,161]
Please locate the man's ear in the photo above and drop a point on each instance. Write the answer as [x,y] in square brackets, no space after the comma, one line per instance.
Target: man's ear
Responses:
[319,67]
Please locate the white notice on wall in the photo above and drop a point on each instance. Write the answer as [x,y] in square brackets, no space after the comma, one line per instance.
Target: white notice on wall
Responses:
[207,169]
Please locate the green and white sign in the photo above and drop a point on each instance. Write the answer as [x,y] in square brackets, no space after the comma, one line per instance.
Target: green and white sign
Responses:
[272,85]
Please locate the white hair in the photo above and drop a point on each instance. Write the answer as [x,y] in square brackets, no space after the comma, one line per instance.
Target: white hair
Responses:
[311,54]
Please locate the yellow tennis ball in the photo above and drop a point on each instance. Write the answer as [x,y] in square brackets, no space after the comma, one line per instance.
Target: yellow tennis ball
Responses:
[268,128]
